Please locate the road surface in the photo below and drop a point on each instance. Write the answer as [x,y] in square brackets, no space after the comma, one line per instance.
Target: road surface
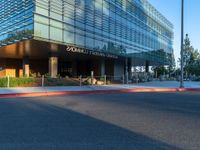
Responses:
[117,121]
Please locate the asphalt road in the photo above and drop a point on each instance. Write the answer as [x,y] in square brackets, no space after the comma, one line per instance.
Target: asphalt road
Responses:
[118,121]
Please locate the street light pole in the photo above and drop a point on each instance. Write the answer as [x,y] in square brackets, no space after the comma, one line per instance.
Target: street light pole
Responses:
[182,36]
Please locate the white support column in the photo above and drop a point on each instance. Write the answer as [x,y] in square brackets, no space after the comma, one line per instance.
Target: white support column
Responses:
[131,69]
[53,66]
[26,67]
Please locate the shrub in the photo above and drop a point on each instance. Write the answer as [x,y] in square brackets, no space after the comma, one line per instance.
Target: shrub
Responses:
[16,82]
[47,75]
[51,80]
[3,82]
[197,79]
[39,75]
[58,76]
[102,78]
[60,84]
[34,75]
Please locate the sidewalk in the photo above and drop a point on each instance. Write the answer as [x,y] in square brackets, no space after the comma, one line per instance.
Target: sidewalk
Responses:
[155,86]
[163,84]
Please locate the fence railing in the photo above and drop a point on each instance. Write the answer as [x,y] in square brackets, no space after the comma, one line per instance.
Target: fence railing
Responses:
[75,81]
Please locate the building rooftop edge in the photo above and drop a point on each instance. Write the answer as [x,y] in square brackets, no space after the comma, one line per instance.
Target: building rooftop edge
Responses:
[159,13]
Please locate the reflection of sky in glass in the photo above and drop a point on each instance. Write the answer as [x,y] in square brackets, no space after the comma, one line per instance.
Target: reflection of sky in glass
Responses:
[105,8]
[16,22]
[120,27]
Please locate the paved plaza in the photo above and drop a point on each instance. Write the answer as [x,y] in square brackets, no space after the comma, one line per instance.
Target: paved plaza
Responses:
[117,121]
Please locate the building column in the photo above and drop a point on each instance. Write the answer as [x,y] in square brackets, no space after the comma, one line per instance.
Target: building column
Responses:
[102,67]
[53,66]
[131,68]
[26,67]
[147,66]
[126,71]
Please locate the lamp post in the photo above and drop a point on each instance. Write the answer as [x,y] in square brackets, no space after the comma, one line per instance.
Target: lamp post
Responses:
[126,70]
[182,36]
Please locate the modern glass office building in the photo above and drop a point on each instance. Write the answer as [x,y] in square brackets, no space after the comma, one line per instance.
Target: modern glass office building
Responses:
[73,37]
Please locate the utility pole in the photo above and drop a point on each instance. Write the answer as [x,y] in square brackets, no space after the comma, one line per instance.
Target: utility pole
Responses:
[182,36]
[126,70]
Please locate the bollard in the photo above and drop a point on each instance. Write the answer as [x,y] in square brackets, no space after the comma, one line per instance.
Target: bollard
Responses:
[92,77]
[126,78]
[42,80]
[8,82]
[80,80]
[105,80]
[123,79]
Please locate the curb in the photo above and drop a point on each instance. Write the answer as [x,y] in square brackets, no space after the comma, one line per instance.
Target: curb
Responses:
[136,90]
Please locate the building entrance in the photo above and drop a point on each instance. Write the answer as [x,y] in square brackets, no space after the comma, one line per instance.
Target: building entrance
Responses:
[84,68]
[65,68]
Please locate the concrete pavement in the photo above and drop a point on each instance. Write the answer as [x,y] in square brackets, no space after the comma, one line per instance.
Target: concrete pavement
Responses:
[155,86]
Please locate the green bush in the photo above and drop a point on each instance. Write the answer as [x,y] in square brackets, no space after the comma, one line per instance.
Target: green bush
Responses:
[102,78]
[16,82]
[3,82]
[60,84]
[51,80]
[47,75]
[58,76]
[34,75]
[197,79]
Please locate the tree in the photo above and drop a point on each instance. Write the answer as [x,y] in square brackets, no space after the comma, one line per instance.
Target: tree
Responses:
[187,52]
[160,70]
[191,58]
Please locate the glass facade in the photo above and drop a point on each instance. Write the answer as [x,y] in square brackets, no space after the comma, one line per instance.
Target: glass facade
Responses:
[131,28]
[16,21]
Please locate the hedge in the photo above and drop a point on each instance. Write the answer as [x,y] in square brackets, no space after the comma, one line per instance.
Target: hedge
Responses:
[16,82]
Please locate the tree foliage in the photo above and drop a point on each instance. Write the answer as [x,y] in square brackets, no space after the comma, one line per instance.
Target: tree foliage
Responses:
[191,58]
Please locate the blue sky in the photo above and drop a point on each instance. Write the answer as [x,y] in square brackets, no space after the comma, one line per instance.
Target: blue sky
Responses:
[171,9]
